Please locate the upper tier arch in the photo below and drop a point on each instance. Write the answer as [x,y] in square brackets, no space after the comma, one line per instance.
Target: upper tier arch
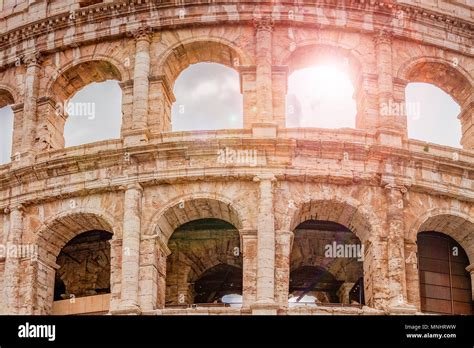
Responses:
[180,55]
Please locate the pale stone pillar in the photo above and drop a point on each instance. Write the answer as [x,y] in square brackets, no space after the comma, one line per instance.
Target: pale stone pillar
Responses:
[248,242]
[115,273]
[284,244]
[467,122]
[33,67]
[152,289]
[365,94]
[412,276]
[28,286]
[249,94]
[265,125]
[396,249]
[161,102]
[17,132]
[392,126]
[280,88]
[470,269]
[12,262]
[265,303]
[376,290]
[141,85]
[264,33]
[50,125]
[131,248]
[127,106]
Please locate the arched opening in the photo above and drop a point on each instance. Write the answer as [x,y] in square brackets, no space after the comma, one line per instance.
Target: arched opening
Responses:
[6,126]
[320,97]
[321,88]
[432,115]
[89,96]
[76,255]
[94,114]
[207,98]
[445,284]
[205,264]
[84,266]
[326,265]
[204,77]
[437,93]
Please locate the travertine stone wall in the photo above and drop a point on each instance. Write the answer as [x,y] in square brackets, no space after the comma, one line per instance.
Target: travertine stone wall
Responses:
[381,185]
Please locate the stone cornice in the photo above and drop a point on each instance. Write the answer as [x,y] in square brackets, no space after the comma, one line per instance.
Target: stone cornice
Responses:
[105,11]
[85,174]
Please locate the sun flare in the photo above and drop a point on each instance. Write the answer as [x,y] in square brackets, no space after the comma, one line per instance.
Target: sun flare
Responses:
[320,97]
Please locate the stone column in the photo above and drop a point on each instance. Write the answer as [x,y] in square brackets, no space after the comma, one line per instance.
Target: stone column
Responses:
[12,262]
[284,244]
[391,125]
[265,303]
[470,269]
[131,248]
[139,127]
[33,67]
[248,242]
[265,123]
[398,301]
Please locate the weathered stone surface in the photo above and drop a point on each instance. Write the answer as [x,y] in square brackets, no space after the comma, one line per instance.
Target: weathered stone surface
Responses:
[380,185]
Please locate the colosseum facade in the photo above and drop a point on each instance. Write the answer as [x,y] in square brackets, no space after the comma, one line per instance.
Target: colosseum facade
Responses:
[163,222]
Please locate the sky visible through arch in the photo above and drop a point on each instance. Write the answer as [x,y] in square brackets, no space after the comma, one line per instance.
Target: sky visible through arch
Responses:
[208,97]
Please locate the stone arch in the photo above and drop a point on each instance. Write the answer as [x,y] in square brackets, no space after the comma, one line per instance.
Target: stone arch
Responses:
[202,49]
[54,234]
[196,247]
[62,227]
[456,224]
[350,224]
[349,214]
[228,211]
[7,96]
[75,75]
[451,77]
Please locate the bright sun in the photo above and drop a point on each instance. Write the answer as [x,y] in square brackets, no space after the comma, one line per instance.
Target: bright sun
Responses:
[320,97]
